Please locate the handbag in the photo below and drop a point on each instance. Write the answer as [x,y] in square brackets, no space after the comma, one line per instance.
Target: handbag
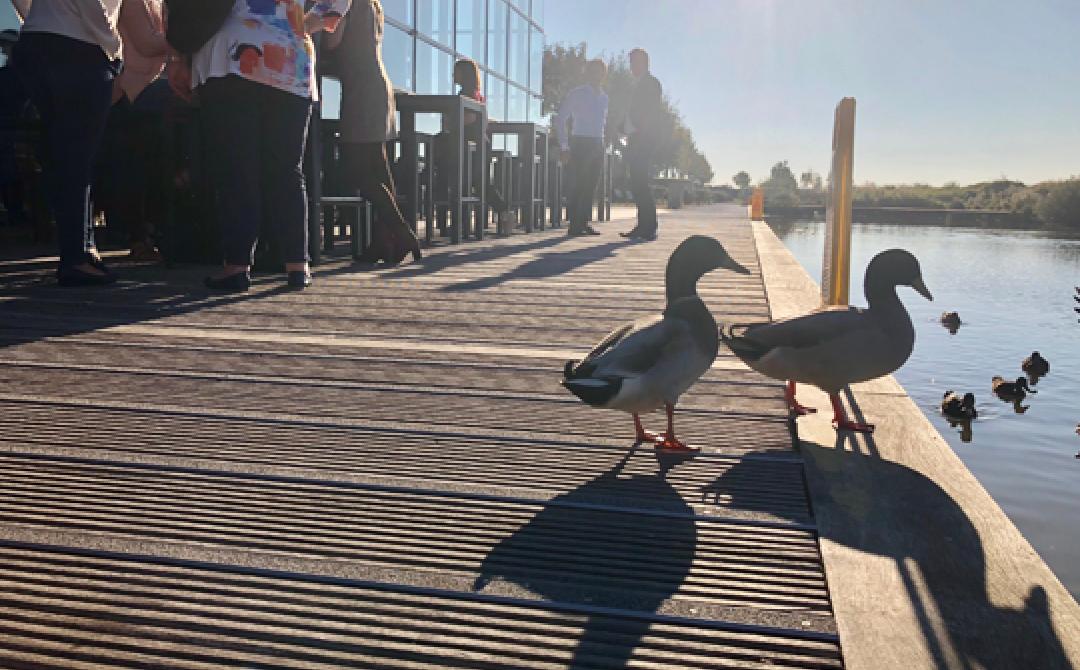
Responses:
[191,23]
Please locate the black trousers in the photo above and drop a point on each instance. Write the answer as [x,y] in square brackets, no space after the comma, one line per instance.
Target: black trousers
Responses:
[587,163]
[640,158]
[70,82]
[256,134]
[368,171]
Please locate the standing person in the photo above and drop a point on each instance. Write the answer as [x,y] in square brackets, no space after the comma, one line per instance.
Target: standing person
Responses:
[255,79]
[586,108]
[367,124]
[131,147]
[643,128]
[67,56]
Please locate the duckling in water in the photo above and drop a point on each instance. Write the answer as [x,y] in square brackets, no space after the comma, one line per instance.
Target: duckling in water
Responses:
[951,321]
[957,408]
[1010,390]
[1035,365]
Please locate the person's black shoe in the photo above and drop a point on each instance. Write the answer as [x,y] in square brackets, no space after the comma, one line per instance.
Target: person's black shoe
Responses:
[72,276]
[299,279]
[631,234]
[589,230]
[238,282]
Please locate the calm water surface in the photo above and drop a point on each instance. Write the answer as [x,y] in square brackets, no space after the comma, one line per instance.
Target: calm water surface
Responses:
[1013,291]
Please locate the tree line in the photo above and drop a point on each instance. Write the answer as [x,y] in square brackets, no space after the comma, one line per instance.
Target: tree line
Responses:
[564,69]
[1054,204]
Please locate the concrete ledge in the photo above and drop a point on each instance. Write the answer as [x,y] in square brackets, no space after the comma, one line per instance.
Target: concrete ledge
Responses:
[924,569]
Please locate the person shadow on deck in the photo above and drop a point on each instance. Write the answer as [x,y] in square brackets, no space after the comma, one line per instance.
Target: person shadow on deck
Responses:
[568,553]
[548,264]
[944,578]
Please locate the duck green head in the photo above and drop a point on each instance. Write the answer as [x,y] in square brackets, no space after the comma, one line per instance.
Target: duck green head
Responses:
[892,268]
[695,256]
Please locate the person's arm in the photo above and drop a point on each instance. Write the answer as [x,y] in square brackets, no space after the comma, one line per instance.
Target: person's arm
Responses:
[137,26]
[326,15]
[560,121]
[22,8]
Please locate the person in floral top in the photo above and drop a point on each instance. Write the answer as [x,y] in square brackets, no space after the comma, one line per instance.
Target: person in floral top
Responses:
[255,81]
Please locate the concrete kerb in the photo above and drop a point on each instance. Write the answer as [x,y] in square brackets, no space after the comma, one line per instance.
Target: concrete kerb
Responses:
[925,570]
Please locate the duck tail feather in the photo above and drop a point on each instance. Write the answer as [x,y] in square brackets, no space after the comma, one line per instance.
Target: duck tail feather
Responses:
[594,391]
[732,335]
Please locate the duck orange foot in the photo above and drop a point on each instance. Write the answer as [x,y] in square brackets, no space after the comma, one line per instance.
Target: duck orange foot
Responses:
[672,444]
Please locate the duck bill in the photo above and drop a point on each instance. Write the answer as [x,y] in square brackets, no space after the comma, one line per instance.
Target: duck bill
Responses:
[921,289]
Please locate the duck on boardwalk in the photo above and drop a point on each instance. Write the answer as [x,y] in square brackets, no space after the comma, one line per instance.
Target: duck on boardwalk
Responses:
[835,346]
[1035,365]
[951,321]
[1010,390]
[957,408]
[647,364]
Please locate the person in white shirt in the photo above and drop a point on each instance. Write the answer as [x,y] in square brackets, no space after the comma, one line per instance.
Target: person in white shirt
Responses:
[67,56]
[585,109]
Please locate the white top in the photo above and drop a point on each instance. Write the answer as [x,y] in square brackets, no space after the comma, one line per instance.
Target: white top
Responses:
[587,106]
[265,41]
[90,21]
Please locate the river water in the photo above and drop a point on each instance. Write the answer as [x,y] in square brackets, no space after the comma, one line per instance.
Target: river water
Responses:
[1014,293]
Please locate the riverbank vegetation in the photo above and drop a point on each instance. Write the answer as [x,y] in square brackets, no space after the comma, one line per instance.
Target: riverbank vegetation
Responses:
[1051,204]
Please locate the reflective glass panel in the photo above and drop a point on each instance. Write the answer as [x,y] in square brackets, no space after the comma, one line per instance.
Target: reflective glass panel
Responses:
[434,69]
[435,18]
[517,104]
[538,11]
[519,49]
[496,52]
[471,18]
[536,61]
[496,98]
[398,57]
[400,10]
[536,110]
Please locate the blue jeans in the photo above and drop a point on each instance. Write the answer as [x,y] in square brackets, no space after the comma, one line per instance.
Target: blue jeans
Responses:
[257,135]
[70,82]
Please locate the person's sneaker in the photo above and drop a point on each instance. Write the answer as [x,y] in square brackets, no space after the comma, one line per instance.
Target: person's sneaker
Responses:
[299,279]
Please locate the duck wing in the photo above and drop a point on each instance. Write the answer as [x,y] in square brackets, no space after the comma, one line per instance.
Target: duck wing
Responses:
[632,348]
[752,341]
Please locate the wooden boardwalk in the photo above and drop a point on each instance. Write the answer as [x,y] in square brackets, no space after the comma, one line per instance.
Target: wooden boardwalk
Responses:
[383,472]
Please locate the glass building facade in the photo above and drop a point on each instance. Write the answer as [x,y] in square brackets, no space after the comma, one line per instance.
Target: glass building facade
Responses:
[423,38]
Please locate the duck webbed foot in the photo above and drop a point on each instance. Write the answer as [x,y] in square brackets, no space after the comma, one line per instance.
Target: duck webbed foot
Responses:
[642,434]
[793,404]
[842,422]
[668,442]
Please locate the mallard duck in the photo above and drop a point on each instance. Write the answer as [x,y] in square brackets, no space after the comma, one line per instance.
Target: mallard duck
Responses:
[951,321]
[1035,365]
[647,364]
[835,346]
[1010,390]
[960,409]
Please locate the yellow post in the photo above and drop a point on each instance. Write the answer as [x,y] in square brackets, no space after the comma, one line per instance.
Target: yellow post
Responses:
[836,268]
[757,205]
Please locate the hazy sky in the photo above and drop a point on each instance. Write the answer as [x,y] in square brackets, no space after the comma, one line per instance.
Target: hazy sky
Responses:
[945,89]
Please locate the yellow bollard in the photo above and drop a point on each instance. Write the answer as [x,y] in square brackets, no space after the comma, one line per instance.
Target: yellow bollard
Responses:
[836,268]
[757,205]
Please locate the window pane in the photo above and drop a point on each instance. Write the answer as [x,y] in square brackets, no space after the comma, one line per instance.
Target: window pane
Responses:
[536,61]
[398,57]
[471,16]
[400,10]
[536,110]
[331,98]
[435,18]
[496,53]
[517,104]
[538,11]
[519,49]
[434,68]
[496,99]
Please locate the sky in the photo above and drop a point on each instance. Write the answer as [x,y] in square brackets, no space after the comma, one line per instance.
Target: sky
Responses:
[946,90]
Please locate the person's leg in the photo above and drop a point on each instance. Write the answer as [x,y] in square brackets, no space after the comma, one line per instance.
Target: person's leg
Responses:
[230,111]
[70,83]
[591,162]
[641,184]
[284,125]
[575,171]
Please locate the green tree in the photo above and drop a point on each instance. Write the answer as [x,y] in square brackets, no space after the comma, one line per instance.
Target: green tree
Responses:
[1060,206]
[741,180]
[781,189]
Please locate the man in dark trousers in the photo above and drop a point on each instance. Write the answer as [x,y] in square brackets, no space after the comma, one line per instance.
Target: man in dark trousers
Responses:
[642,128]
[585,107]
